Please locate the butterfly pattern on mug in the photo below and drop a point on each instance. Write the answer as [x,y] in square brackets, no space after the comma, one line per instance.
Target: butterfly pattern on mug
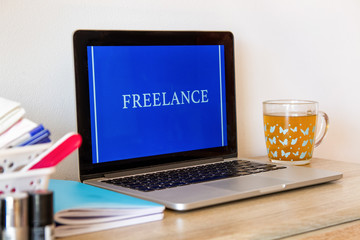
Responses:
[290,138]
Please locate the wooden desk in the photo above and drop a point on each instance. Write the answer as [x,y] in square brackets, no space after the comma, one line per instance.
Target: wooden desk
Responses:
[316,212]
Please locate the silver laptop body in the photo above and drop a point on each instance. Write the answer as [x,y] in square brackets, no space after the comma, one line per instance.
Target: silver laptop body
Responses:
[230,189]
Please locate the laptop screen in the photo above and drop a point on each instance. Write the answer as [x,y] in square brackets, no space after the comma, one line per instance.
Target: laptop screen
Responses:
[154,101]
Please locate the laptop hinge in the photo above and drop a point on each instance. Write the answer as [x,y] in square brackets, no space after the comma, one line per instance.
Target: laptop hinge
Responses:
[161,167]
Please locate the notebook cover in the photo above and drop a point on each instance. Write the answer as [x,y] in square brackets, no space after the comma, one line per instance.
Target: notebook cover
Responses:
[75,195]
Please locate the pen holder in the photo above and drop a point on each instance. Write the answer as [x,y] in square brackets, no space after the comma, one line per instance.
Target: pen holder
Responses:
[37,179]
[12,159]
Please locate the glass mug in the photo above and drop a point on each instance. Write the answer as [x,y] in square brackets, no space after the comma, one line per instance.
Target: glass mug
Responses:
[291,132]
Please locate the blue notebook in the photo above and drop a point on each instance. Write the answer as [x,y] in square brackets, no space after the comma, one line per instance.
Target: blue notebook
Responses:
[81,208]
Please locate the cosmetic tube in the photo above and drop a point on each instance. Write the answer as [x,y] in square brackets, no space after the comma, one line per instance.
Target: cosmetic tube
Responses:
[14,216]
[41,216]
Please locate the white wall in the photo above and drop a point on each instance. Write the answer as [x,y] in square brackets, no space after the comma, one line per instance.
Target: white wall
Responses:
[304,49]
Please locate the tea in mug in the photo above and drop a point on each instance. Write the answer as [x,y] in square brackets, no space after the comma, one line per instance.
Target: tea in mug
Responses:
[290,138]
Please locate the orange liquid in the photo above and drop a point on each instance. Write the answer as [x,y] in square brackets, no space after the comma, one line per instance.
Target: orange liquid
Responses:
[290,138]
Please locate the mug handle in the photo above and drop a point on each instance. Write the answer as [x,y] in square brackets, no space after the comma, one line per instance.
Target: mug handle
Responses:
[323,128]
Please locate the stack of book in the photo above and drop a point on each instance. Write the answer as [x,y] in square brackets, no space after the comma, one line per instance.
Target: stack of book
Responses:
[16,130]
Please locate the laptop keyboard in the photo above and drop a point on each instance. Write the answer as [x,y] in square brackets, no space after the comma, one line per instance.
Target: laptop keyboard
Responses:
[190,175]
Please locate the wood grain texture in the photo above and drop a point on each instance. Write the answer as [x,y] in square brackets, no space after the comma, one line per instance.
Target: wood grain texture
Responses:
[294,214]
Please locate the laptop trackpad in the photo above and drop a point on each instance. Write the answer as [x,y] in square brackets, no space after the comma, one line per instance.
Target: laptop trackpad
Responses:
[249,183]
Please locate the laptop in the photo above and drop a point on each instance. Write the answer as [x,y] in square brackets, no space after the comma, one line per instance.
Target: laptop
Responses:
[156,110]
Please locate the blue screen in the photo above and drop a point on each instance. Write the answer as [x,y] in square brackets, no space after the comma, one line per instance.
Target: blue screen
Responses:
[153,100]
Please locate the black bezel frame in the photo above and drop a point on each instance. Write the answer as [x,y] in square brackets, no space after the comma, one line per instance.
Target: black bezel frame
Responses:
[84,38]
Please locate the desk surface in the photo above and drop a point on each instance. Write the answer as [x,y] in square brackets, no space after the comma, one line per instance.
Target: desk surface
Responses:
[308,213]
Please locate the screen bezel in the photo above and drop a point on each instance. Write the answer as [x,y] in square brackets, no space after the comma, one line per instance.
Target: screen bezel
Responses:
[84,38]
